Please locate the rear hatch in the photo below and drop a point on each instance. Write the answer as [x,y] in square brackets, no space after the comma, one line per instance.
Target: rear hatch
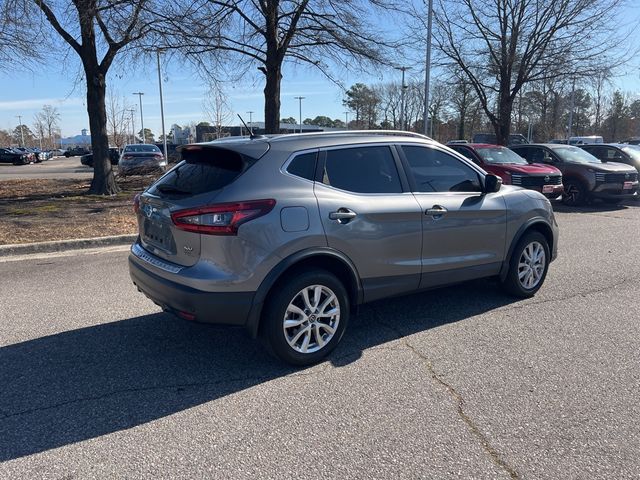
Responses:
[194,183]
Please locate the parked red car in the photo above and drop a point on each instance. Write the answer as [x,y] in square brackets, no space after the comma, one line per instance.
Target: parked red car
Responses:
[512,168]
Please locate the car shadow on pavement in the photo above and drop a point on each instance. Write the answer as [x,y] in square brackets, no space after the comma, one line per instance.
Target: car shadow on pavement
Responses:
[81,384]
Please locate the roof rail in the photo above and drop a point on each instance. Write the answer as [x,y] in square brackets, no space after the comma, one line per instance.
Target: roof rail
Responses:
[399,133]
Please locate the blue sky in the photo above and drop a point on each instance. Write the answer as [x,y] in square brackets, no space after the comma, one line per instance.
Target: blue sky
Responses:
[24,92]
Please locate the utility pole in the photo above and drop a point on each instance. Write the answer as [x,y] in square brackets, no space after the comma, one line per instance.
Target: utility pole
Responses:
[144,138]
[573,99]
[250,120]
[21,131]
[427,73]
[164,135]
[300,106]
[402,91]
[346,119]
[133,124]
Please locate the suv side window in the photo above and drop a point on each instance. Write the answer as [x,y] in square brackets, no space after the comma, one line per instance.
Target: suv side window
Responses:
[362,170]
[303,166]
[539,155]
[437,171]
[611,154]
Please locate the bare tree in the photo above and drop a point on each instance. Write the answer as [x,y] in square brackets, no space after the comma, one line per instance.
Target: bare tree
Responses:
[390,95]
[117,119]
[17,35]
[266,33]
[502,45]
[217,109]
[97,31]
[462,100]
[600,81]
[40,129]
[47,124]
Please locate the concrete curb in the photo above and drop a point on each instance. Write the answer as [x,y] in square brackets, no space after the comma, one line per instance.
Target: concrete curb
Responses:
[62,245]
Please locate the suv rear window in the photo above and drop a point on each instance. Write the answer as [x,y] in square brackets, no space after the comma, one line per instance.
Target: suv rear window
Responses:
[202,170]
[362,170]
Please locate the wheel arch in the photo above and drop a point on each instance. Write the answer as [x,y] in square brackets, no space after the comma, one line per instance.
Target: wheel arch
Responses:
[322,258]
[535,224]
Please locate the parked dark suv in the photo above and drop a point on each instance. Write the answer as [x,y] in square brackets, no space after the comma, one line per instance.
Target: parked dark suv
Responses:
[288,235]
[615,152]
[584,176]
[114,156]
[512,168]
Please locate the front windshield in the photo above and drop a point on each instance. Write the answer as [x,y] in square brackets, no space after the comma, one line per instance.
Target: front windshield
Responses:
[633,151]
[574,155]
[500,155]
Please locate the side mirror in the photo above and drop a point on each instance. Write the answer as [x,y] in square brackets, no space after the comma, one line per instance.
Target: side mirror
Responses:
[492,183]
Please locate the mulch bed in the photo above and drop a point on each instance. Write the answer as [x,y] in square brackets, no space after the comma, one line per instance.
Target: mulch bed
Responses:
[42,210]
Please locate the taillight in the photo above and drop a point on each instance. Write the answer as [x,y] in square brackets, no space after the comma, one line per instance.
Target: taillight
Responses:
[136,203]
[221,219]
[127,157]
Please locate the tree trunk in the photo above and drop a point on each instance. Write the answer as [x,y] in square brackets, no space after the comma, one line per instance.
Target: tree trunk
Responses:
[103,182]
[463,114]
[272,97]
[502,125]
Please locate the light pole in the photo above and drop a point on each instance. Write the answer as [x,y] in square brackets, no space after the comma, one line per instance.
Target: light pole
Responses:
[164,135]
[144,138]
[346,119]
[427,72]
[403,88]
[21,131]
[250,112]
[133,125]
[573,101]
[300,106]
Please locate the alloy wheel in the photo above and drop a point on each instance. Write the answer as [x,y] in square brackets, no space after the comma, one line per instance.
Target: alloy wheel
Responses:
[531,265]
[572,194]
[311,319]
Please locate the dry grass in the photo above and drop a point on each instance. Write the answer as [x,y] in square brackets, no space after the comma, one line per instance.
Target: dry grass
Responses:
[41,210]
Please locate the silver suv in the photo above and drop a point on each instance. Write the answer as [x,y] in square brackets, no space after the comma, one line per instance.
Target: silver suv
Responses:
[288,235]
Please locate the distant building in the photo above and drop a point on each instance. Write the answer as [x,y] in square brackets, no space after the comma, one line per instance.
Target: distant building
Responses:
[82,140]
[182,135]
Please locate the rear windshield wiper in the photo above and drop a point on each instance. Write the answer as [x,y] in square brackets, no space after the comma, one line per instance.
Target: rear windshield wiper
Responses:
[171,189]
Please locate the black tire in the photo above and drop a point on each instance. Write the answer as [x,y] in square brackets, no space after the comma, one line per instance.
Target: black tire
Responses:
[512,283]
[575,194]
[612,201]
[290,292]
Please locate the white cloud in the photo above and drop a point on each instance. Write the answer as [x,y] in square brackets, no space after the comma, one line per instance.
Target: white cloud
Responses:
[38,103]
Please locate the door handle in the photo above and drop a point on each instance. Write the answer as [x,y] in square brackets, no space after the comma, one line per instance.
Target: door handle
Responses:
[436,211]
[343,215]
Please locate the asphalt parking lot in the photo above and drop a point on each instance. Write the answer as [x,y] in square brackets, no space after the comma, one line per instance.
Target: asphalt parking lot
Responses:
[57,167]
[462,382]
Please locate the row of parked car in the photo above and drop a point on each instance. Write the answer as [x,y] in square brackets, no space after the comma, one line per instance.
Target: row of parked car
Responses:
[579,174]
[134,159]
[24,156]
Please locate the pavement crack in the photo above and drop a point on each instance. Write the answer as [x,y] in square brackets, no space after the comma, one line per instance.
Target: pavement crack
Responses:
[485,444]
[466,418]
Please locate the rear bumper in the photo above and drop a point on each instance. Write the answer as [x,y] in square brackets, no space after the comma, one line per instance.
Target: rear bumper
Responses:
[228,308]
